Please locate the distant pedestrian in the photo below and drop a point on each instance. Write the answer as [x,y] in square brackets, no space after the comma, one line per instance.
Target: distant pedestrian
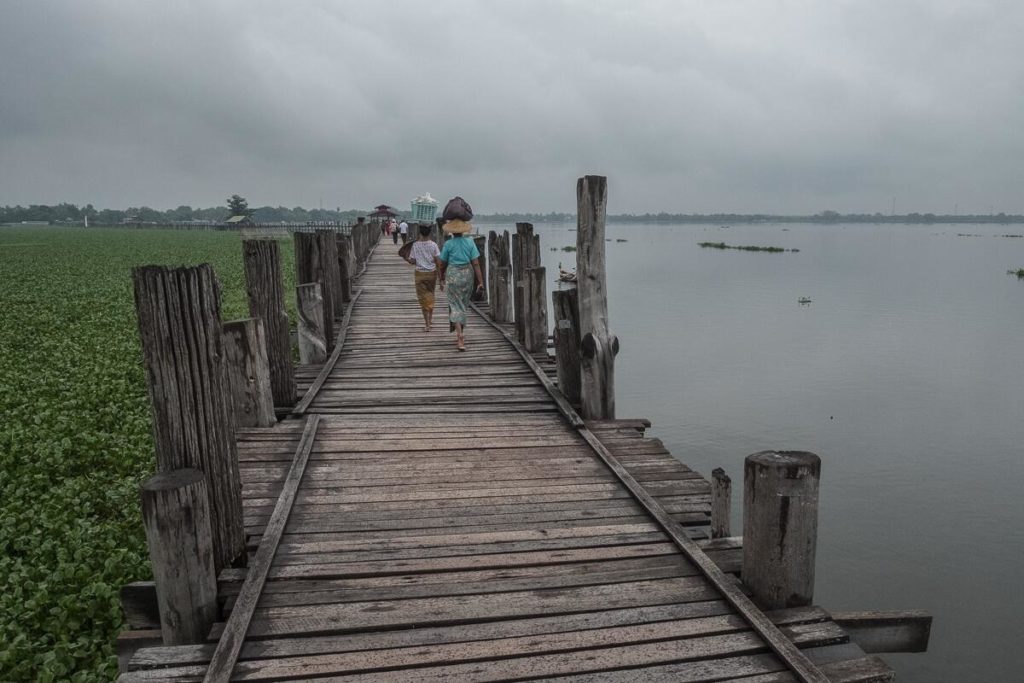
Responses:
[460,261]
[403,230]
[393,230]
[424,255]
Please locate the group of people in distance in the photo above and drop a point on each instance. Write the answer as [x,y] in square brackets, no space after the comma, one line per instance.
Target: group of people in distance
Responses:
[396,230]
[455,268]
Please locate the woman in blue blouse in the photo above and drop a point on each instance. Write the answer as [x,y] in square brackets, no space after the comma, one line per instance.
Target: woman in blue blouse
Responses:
[460,261]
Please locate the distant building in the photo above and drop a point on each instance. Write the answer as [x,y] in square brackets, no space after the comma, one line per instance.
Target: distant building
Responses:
[384,211]
[238,220]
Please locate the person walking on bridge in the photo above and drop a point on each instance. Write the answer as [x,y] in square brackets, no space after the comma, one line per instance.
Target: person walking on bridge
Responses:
[460,262]
[424,255]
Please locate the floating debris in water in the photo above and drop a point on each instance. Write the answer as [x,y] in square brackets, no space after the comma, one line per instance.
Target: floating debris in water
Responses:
[621,240]
[803,300]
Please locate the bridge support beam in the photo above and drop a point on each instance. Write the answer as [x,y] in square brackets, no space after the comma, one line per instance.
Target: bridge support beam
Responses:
[245,351]
[499,277]
[264,283]
[597,344]
[566,309]
[312,327]
[187,378]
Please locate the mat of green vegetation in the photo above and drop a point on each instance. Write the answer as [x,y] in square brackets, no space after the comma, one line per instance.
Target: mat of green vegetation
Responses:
[75,436]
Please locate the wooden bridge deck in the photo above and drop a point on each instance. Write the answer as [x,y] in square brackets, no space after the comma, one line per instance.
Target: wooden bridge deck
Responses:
[434,516]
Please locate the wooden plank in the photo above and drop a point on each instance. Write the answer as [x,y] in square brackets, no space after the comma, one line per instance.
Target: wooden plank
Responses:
[226,654]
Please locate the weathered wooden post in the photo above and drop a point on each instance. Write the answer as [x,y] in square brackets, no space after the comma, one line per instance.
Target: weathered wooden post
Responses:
[565,304]
[721,503]
[481,245]
[525,254]
[780,527]
[312,328]
[187,380]
[332,269]
[345,266]
[500,276]
[536,310]
[598,345]
[264,283]
[310,267]
[249,373]
[176,515]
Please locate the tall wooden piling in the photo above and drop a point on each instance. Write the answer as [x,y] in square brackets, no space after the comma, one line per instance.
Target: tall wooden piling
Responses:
[176,516]
[499,277]
[597,344]
[310,266]
[187,379]
[264,284]
[481,245]
[345,266]
[525,254]
[721,503]
[565,308]
[245,351]
[332,268]
[780,527]
[535,310]
[312,327]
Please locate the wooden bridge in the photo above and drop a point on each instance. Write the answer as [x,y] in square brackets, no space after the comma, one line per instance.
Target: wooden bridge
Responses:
[427,515]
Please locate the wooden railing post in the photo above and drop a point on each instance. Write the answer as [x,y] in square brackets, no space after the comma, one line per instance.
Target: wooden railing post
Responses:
[249,373]
[310,267]
[721,503]
[332,270]
[536,311]
[565,304]
[176,515]
[525,254]
[312,332]
[264,283]
[183,353]
[597,344]
[499,277]
[481,245]
[780,527]
[345,266]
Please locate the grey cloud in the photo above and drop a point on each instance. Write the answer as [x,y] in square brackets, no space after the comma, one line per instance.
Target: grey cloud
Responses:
[704,106]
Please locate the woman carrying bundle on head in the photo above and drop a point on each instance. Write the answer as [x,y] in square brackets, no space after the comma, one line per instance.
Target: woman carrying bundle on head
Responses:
[424,255]
[460,266]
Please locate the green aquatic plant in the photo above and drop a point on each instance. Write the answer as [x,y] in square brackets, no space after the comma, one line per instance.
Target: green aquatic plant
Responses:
[75,436]
[569,248]
[723,245]
[1019,273]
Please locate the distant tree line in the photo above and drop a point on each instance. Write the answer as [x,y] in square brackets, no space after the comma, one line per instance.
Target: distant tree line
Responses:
[65,213]
[71,214]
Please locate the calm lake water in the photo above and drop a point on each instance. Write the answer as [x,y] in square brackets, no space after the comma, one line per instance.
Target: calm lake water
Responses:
[904,374]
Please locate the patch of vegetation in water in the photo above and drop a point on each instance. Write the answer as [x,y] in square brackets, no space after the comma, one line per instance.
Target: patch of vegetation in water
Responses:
[723,245]
[1019,273]
[621,240]
[568,248]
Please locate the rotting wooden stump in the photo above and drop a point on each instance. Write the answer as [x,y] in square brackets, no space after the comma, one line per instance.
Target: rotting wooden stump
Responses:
[565,307]
[264,284]
[176,515]
[345,268]
[499,277]
[535,310]
[780,527]
[312,326]
[249,373]
[721,503]
[311,265]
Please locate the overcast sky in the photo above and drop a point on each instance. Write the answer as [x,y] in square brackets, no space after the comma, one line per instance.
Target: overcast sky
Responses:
[695,106]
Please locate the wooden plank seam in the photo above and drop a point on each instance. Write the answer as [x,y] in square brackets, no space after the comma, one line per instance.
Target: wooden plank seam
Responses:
[222,664]
[804,669]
